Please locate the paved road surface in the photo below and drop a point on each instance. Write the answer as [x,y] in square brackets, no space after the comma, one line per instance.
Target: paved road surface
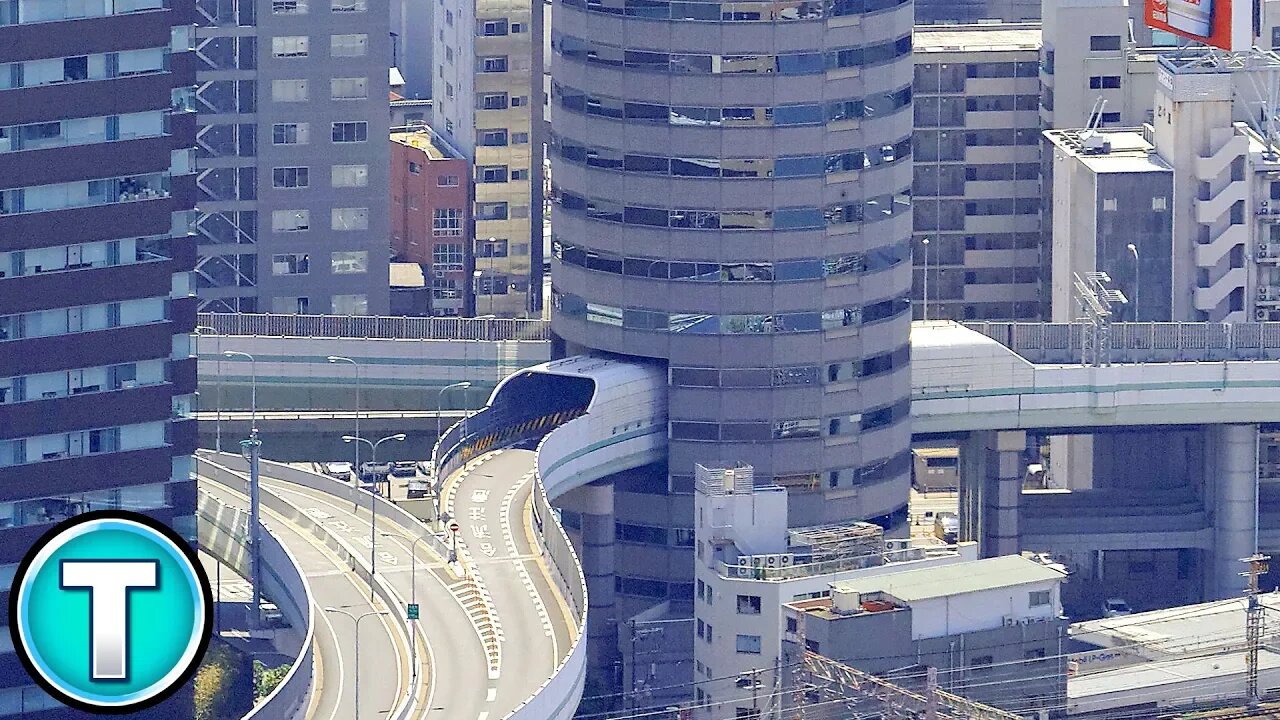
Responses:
[490,504]
[455,656]
[333,585]
[531,631]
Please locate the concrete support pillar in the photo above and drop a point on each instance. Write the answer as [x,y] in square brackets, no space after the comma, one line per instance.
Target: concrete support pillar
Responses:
[991,475]
[595,502]
[1233,472]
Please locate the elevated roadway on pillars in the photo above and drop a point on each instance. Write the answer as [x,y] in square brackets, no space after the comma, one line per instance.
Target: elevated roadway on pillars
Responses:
[964,381]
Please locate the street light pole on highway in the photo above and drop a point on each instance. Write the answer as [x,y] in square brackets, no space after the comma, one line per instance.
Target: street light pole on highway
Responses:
[252,449]
[355,468]
[355,620]
[413,593]
[202,330]
[437,481]
[373,499]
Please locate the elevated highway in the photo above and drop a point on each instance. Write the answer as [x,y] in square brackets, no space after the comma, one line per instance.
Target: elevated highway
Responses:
[493,627]
[330,692]
[554,428]
[964,381]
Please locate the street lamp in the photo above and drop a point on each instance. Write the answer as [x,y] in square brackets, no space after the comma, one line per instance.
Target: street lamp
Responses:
[251,449]
[413,590]
[437,480]
[339,359]
[217,426]
[1136,279]
[373,504]
[925,314]
[355,620]
[253,387]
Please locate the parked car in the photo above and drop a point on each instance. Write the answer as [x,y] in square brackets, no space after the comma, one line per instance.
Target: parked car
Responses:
[339,470]
[946,527]
[404,468]
[420,486]
[1115,607]
[373,473]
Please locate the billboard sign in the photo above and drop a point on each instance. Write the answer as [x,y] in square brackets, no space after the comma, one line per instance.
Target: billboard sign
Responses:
[1225,24]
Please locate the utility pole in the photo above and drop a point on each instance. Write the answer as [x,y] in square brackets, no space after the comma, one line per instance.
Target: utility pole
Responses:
[1253,624]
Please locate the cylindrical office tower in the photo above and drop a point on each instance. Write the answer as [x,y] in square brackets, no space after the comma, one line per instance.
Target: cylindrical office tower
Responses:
[732,196]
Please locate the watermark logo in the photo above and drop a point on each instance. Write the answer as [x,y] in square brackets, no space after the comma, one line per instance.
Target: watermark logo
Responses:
[110,611]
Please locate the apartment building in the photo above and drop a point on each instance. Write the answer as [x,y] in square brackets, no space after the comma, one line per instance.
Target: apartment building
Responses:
[977,167]
[487,102]
[97,306]
[749,564]
[430,216]
[292,156]
[1182,213]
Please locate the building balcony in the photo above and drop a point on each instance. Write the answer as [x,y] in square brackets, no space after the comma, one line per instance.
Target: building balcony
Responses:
[86,472]
[1210,210]
[1208,254]
[37,416]
[1231,145]
[1208,298]
[73,287]
[89,349]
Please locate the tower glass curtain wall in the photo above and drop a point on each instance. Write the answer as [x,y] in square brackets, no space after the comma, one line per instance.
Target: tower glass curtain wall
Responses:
[731,195]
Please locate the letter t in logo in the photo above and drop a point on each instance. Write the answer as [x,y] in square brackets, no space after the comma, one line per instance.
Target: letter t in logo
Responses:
[109,582]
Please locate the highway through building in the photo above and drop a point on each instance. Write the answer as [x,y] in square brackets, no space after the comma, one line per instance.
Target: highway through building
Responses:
[383,660]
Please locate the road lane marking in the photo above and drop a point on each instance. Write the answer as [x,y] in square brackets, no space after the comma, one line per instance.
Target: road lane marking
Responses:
[493,695]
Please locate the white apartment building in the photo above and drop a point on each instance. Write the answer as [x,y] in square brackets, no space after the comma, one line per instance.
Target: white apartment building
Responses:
[1182,213]
[748,565]
[487,89]
[977,167]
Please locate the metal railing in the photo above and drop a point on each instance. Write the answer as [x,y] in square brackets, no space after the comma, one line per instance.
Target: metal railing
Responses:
[376,327]
[1140,342]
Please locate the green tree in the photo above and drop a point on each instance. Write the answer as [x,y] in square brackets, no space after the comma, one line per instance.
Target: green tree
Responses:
[266,679]
[215,681]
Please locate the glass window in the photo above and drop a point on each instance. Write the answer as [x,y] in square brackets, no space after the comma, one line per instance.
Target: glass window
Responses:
[350,219]
[287,46]
[289,7]
[290,177]
[748,605]
[355,45]
[351,6]
[291,264]
[349,175]
[446,222]
[748,644]
[347,132]
[349,88]
[290,220]
[350,305]
[290,133]
[289,90]
[348,263]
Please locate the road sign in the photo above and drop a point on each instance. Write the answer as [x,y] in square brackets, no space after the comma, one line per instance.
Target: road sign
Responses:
[454,527]
[413,611]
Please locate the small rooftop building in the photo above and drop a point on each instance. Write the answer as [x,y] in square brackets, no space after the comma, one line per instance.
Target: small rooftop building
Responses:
[992,628]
